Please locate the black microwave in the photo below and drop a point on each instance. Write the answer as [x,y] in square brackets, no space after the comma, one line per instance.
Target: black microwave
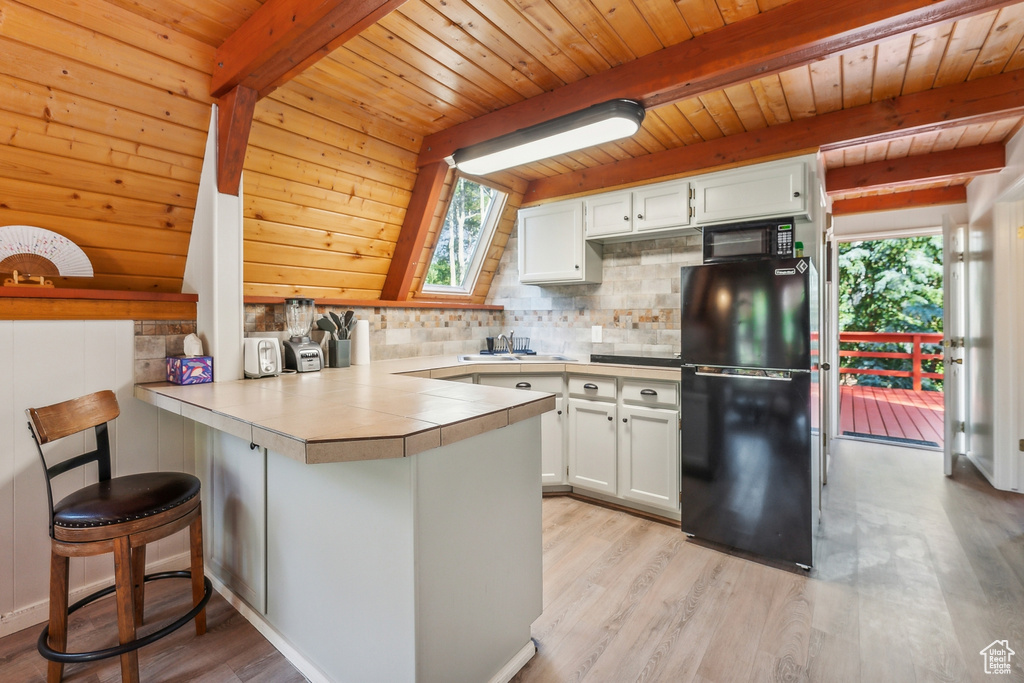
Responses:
[760,239]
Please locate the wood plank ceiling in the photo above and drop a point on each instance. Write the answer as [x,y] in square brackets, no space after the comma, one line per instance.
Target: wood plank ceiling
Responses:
[332,156]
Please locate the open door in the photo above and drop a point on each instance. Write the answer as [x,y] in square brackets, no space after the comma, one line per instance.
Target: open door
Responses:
[953,343]
[828,350]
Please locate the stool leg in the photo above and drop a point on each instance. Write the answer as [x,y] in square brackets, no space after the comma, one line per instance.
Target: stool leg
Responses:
[125,608]
[58,614]
[139,581]
[195,536]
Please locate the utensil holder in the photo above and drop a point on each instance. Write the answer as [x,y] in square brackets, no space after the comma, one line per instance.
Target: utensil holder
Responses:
[339,352]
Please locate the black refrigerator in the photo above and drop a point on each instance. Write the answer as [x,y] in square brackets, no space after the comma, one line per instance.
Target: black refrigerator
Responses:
[749,427]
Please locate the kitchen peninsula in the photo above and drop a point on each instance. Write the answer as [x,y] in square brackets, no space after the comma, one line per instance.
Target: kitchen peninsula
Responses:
[379,527]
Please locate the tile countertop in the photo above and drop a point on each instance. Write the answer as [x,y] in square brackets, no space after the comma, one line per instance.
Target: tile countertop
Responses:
[388,409]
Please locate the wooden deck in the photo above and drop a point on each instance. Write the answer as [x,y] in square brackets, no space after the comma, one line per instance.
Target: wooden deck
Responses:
[897,415]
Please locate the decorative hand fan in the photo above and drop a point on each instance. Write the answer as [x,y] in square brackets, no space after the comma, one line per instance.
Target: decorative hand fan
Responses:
[30,252]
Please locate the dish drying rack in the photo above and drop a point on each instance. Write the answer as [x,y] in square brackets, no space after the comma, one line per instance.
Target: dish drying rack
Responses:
[520,345]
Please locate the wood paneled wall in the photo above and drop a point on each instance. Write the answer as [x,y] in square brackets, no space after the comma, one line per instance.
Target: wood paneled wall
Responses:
[325,190]
[326,186]
[103,121]
[69,359]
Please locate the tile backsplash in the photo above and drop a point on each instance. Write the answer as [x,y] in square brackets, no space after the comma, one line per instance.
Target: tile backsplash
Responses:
[396,332]
[636,304]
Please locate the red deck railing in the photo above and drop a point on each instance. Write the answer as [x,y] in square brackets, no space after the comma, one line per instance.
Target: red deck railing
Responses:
[916,355]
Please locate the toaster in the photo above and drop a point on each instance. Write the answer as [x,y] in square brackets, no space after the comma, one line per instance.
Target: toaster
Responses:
[262,356]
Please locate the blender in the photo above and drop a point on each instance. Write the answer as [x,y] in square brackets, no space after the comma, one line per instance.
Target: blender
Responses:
[300,352]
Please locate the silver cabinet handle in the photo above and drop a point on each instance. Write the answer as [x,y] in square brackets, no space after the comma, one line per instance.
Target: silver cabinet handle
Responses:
[524,385]
[592,387]
[610,418]
[625,218]
[648,392]
[640,216]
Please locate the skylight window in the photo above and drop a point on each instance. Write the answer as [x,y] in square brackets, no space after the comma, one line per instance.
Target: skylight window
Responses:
[473,212]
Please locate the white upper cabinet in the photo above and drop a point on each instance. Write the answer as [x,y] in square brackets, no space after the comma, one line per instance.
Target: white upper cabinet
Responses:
[552,248]
[608,214]
[665,205]
[763,191]
[631,213]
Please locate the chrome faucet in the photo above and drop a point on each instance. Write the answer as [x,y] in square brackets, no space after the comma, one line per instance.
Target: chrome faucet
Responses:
[508,341]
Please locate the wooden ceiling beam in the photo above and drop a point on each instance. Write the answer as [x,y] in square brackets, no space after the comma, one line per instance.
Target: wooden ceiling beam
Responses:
[284,37]
[936,196]
[795,34]
[979,101]
[418,218]
[917,169]
[234,121]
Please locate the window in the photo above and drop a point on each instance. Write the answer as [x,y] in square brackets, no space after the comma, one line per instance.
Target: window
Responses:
[473,212]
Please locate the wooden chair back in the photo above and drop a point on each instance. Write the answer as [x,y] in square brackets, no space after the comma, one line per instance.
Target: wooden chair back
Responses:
[63,419]
[70,417]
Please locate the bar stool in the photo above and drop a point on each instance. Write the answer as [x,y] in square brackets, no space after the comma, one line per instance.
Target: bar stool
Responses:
[119,515]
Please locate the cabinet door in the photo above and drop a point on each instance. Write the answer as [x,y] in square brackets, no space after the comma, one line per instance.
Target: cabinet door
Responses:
[551,242]
[592,445]
[608,214]
[552,444]
[649,456]
[766,191]
[666,205]
[552,423]
[237,502]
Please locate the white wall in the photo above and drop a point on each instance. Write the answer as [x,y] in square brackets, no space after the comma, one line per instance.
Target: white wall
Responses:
[995,318]
[45,362]
[213,269]
[926,220]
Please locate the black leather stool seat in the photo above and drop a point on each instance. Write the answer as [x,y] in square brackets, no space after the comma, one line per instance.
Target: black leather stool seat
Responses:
[123,499]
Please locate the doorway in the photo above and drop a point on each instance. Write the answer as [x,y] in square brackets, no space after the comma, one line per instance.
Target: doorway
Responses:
[890,327]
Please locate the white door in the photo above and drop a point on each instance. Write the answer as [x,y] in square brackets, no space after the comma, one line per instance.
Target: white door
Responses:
[552,439]
[551,242]
[828,350]
[608,214]
[665,205]
[953,343]
[649,456]
[592,445]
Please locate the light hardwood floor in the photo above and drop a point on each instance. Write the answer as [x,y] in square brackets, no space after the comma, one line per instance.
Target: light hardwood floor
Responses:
[231,651]
[916,573]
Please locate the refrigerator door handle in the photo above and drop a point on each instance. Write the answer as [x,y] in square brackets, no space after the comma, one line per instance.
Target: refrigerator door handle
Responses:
[744,373]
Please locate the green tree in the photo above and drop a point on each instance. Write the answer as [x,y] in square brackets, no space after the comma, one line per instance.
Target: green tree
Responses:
[892,285]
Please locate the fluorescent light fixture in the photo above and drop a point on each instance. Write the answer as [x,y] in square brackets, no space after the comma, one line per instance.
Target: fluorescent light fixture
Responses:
[585,128]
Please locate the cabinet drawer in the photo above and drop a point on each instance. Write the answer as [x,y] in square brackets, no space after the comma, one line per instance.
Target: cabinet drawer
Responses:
[592,387]
[549,383]
[650,393]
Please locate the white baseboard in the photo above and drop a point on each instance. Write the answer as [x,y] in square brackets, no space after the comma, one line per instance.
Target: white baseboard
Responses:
[513,666]
[38,613]
[315,675]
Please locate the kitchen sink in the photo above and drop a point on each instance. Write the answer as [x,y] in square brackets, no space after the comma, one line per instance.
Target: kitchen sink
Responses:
[514,358]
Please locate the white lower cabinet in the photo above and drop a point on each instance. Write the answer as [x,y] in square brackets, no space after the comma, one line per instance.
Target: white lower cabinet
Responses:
[649,456]
[592,445]
[234,498]
[552,423]
[615,436]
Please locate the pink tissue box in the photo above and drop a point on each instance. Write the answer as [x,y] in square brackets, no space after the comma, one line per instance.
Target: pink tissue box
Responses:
[190,369]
